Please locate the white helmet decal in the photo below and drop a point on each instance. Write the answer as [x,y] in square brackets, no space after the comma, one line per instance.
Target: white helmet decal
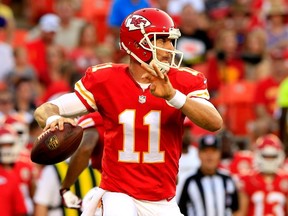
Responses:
[134,22]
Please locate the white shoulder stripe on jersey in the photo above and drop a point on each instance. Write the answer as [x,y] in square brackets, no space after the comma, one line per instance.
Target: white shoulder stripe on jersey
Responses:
[69,105]
[88,97]
[200,94]
[87,123]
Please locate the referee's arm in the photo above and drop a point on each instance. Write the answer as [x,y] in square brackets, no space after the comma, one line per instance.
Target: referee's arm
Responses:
[184,198]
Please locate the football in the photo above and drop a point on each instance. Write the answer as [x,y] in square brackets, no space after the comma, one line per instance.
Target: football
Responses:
[55,146]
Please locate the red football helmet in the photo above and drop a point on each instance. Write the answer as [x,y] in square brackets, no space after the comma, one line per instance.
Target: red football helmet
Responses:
[269,154]
[138,34]
[8,145]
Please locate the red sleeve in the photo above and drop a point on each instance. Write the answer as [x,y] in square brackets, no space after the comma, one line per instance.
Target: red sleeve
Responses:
[19,207]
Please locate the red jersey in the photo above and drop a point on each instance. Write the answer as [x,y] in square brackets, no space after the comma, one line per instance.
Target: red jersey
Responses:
[94,120]
[264,198]
[143,134]
[24,171]
[11,199]
[242,163]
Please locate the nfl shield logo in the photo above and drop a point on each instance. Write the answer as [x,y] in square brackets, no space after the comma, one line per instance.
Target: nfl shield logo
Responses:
[142,99]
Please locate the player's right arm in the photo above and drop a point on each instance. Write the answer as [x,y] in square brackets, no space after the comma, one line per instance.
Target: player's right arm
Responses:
[58,111]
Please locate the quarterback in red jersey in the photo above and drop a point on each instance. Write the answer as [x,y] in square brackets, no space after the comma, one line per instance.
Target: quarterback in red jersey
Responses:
[143,105]
[264,191]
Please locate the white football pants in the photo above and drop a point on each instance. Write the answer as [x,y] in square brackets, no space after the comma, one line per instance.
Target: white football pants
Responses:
[119,204]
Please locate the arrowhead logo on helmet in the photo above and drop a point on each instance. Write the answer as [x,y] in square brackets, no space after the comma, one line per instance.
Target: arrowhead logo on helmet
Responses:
[134,22]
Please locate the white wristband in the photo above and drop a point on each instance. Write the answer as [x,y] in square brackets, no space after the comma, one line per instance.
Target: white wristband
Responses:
[52,118]
[178,100]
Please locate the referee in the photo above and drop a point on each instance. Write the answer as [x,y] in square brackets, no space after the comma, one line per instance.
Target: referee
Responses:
[209,191]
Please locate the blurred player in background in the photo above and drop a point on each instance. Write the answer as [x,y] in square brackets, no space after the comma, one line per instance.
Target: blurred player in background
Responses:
[264,191]
[143,105]
[11,200]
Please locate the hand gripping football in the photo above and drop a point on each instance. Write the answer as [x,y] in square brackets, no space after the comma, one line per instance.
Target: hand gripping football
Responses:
[55,146]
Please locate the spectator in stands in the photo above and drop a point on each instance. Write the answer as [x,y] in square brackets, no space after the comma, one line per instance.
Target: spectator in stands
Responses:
[96,13]
[264,190]
[59,71]
[85,54]
[118,13]
[70,25]
[240,20]
[175,7]
[55,58]
[49,25]
[68,30]
[265,97]
[34,10]
[255,55]
[24,101]
[276,27]
[6,104]
[209,191]
[7,19]
[162,5]
[218,8]
[6,50]
[194,41]
[11,199]
[225,65]
[22,68]
[116,16]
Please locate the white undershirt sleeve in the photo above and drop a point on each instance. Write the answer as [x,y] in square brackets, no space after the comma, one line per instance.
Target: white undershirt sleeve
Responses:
[69,105]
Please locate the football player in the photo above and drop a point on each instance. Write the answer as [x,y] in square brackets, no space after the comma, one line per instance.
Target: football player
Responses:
[143,105]
[12,200]
[264,191]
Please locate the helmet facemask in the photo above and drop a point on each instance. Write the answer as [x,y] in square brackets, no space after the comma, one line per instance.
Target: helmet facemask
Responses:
[9,146]
[149,41]
[269,159]
[269,154]
[8,154]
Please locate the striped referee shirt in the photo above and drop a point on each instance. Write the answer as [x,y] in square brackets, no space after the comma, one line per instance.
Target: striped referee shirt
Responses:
[204,195]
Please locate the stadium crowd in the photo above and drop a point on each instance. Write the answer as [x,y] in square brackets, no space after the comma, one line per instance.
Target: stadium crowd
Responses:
[239,45]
